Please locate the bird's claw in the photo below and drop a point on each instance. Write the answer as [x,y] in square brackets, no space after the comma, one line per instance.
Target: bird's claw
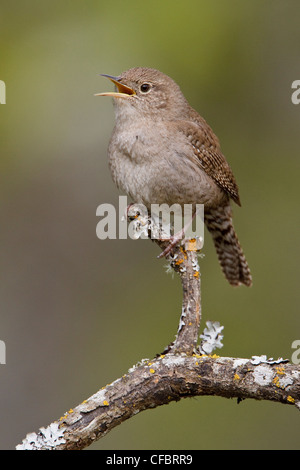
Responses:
[169,248]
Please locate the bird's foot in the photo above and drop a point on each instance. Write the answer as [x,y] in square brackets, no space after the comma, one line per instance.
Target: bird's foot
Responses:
[171,246]
[194,244]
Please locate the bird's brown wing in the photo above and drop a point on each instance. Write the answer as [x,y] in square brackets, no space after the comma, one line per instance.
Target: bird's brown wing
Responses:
[207,154]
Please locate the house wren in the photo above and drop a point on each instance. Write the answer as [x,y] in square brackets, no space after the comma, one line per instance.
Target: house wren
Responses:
[163,151]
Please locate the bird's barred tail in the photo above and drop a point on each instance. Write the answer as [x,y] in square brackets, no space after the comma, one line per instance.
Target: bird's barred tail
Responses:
[230,253]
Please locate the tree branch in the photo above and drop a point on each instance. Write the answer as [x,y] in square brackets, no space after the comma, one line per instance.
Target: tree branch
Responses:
[160,381]
[180,372]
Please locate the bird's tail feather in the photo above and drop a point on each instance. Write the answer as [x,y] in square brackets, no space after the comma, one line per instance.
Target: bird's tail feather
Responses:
[229,251]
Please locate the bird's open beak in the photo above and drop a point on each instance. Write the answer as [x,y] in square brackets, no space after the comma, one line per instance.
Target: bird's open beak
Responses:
[124,91]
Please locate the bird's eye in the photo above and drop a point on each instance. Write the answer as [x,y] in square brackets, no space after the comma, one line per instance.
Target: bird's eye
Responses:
[145,87]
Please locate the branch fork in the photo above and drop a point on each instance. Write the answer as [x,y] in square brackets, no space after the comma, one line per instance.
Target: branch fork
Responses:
[185,369]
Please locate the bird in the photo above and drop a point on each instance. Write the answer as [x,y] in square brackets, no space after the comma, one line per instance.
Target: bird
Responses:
[162,151]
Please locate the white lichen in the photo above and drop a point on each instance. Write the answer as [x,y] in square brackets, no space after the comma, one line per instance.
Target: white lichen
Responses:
[169,268]
[239,362]
[142,362]
[263,360]
[181,324]
[195,266]
[46,439]
[296,374]
[284,381]
[263,375]
[139,228]
[211,337]
[171,361]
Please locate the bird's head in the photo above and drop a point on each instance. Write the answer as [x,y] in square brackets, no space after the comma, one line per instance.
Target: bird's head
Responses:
[147,92]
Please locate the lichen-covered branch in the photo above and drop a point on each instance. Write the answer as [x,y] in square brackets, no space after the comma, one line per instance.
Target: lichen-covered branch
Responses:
[183,370]
[160,381]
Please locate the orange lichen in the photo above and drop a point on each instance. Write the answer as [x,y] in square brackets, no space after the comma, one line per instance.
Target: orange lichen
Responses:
[191,245]
[280,370]
[276,382]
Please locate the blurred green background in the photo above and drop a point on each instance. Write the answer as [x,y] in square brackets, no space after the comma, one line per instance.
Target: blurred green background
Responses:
[77,312]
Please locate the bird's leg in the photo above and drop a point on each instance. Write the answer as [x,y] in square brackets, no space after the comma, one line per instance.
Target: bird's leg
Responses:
[174,239]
